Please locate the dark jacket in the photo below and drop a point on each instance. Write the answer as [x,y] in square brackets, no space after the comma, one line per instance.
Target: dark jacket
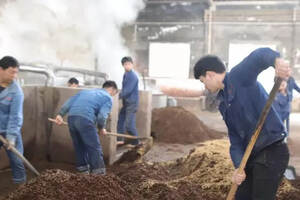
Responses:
[242,101]
[130,89]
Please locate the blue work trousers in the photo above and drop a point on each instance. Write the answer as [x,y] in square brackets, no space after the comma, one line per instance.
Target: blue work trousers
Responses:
[89,156]
[127,121]
[16,164]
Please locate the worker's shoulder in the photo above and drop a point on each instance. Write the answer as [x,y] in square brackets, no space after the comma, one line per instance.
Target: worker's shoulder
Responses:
[103,94]
[291,80]
[133,73]
[15,87]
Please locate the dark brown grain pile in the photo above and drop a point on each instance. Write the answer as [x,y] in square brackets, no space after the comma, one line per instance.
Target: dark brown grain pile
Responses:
[177,125]
[62,185]
[204,174]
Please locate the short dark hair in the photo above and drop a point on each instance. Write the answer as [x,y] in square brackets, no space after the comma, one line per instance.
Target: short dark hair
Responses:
[108,84]
[126,59]
[9,61]
[73,80]
[208,63]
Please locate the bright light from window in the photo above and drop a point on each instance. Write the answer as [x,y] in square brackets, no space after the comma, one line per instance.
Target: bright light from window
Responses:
[169,60]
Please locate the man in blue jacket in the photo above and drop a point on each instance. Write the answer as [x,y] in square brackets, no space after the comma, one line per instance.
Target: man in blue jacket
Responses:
[242,99]
[85,109]
[11,115]
[284,97]
[130,99]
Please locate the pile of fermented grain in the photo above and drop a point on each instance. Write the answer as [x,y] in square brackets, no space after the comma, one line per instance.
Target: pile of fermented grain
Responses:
[58,184]
[202,175]
[177,125]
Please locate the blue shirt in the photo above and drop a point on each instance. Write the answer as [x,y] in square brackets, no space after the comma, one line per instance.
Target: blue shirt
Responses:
[291,85]
[282,105]
[11,111]
[130,89]
[242,101]
[94,105]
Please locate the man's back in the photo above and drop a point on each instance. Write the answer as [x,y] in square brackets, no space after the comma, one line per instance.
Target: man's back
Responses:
[88,103]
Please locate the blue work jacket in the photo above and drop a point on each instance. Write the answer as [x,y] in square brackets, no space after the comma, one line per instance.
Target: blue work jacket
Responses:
[11,111]
[242,101]
[130,89]
[94,105]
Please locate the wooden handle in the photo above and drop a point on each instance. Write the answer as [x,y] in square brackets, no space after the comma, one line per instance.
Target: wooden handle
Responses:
[125,136]
[255,135]
[15,151]
[108,133]
[232,192]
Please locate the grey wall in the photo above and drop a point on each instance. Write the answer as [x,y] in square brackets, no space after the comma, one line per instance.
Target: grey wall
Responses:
[185,18]
[43,140]
[277,26]
[278,23]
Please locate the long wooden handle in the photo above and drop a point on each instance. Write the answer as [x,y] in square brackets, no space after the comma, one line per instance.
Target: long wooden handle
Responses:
[15,151]
[255,135]
[109,133]
[125,135]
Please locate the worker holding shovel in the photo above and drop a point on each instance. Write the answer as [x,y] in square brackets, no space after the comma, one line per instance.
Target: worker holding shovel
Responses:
[242,100]
[11,115]
[85,109]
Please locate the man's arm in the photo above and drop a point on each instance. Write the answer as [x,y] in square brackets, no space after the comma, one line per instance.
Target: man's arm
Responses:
[295,86]
[248,70]
[103,113]
[129,86]
[15,119]
[236,152]
[67,105]
[236,148]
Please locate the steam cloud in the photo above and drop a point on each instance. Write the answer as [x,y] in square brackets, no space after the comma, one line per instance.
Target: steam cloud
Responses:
[68,33]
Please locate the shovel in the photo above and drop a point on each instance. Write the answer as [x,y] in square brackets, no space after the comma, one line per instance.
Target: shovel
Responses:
[109,133]
[141,149]
[15,151]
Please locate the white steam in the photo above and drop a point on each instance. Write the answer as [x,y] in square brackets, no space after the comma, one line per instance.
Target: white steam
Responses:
[68,33]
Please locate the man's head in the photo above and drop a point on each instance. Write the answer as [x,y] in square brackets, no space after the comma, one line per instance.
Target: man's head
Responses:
[73,82]
[111,87]
[127,63]
[9,68]
[211,72]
